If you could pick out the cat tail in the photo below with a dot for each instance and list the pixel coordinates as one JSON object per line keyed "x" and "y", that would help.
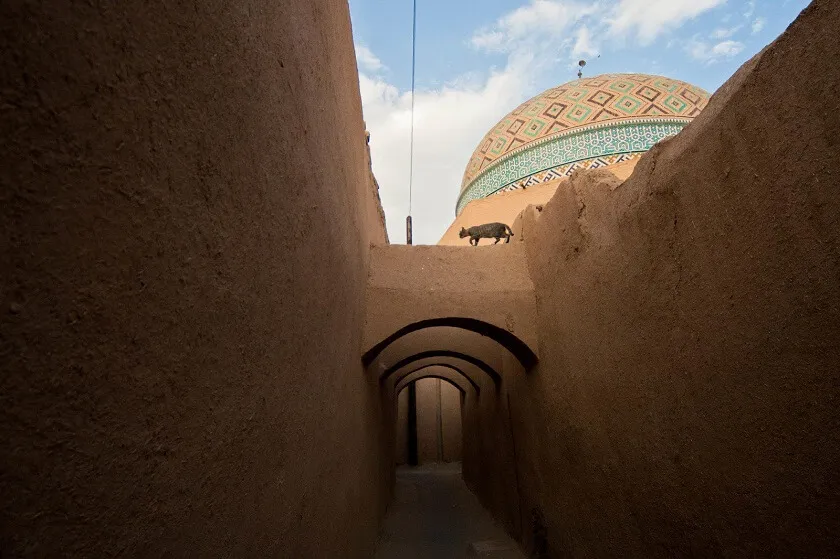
{"x": 509, "y": 230}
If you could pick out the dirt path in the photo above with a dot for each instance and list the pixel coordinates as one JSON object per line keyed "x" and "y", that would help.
{"x": 435, "y": 516}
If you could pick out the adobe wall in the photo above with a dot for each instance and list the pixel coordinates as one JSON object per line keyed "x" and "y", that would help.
{"x": 685, "y": 402}
{"x": 187, "y": 209}
{"x": 401, "y": 429}
{"x": 450, "y": 422}
{"x": 491, "y": 454}
{"x": 427, "y": 420}
{"x": 410, "y": 284}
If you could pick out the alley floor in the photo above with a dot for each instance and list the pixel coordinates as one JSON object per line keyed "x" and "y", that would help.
{"x": 435, "y": 516}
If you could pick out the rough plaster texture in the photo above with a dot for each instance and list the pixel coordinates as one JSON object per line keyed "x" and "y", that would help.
{"x": 409, "y": 284}
{"x": 182, "y": 186}
{"x": 685, "y": 402}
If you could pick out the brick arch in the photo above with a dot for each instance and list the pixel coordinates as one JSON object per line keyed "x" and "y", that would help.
{"x": 400, "y": 379}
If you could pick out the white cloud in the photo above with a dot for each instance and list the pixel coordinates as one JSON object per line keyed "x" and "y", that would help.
{"x": 650, "y": 18}
{"x": 583, "y": 44}
{"x": 708, "y": 53}
{"x": 449, "y": 123}
{"x": 725, "y": 32}
{"x": 727, "y": 48}
{"x": 366, "y": 60}
{"x": 750, "y": 9}
{"x": 549, "y": 22}
{"x": 488, "y": 40}
{"x": 758, "y": 25}
{"x": 540, "y": 22}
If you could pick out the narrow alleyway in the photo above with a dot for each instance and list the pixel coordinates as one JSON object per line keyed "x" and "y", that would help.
{"x": 435, "y": 516}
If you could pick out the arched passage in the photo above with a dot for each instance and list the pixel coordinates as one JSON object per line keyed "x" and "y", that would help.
{"x": 399, "y": 377}
{"x": 523, "y": 353}
{"x": 491, "y": 372}
{"x": 399, "y": 388}
{"x": 445, "y": 338}
{"x": 483, "y": 293}
{"x": 428, "y": 406}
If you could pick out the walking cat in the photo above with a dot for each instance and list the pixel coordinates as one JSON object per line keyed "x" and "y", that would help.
{"x": 487, "y": 231}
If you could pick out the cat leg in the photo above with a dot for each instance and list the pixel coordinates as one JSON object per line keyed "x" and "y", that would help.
{"x": 507, "y": 239}
{"x": 497, "y": 240}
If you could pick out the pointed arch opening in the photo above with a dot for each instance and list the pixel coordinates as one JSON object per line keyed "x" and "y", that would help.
{"x": 523, "y": 353}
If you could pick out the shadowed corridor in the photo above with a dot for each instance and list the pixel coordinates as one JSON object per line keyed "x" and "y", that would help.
{"x": 434, "y": 514}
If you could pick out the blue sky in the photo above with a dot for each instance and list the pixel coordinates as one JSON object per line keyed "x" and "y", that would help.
{"x": 476, "y": 61}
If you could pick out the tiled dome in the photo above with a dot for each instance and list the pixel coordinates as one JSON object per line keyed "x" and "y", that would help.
{"x": 591, "y": 122}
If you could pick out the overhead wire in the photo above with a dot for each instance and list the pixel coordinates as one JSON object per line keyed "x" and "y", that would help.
{"x": 411, "y": 142}
{"x": 413, "y": 72}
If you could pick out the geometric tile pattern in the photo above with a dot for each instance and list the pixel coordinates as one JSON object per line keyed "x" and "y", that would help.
{"x": 566, "y": 170}
{"x": 580, "y": 104}
{"x": 596, "y": 145}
